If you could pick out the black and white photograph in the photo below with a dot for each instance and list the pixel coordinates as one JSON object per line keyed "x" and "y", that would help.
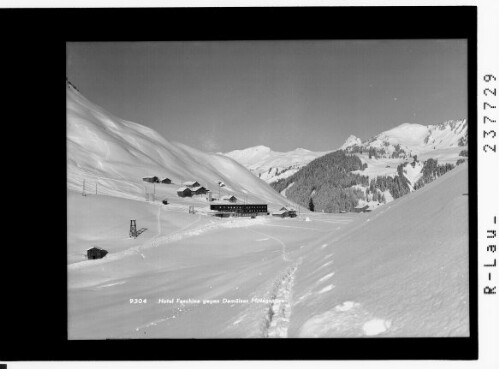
{"x": 208, "y": 184}
{"x": 267, "y": 189}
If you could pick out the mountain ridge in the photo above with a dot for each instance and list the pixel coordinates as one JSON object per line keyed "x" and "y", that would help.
{"x": 403, "y": 141}
{"x": 114, "y": 155}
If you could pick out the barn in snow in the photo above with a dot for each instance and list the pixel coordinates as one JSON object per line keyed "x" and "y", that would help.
{"x": 96, "y": 253}
{"x": 285, "y": 212}
{"x": 166, "y": 180}
{"x": 280, "y": 213}
{"x": 152, "y": 179}
{"x": 361, "y": 208}
{"x": 184, "y": 192}
{"x": 230, "y": 198}
{"x": 191, "y": 184}
{"x": 199, "y": 190}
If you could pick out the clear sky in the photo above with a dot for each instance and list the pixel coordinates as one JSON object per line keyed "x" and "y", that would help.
{"x": 222, "y": 96}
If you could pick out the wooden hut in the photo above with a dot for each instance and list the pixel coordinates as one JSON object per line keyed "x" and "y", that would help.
{"x": 96, "y": 253}
{"x": 361, "y": 208}
{"x": 152, "y": 179}
{"x": 285, "y": 212}
{"x": 184, "y": 192}
{"x": 166, "y": 180}
{"x": 281, "y": 213}
{"x": 191, "y": 184}
{"x": 200, "y": 190}
{"x": 231, "y": 198}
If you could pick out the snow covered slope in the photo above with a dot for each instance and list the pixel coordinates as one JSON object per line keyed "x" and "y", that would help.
{"x": 417, "y": 138}
{"x": 402, "y": 270}
{"x": 270, "y": 165}
{"x": 113, "y": 155}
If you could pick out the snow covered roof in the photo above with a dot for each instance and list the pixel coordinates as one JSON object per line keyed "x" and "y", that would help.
{"x": 182, "y": 189}
{"x": 280, "y": 212}
{"x": 190, "y": 183}
{"x": 229, "y": 197}
{"x": 194, "y": 189}
{"x": 361, "y": 207}
{"x": 95, "y": 248}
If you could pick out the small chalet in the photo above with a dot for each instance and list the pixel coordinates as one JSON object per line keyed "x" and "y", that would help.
{"x": 289, "y": 212}
{"x": 200, "y": 190}
{"x": 152, "y": 179}
{"x": 96, "y": 253}
{"x": 184, "y": 192}
{"x": 230, "y": 198}
{"x": 281, "y": 213}
{"x": 191, "y": 184}
{"x": 166, "y": 180}
{"x": 361, "y": 208}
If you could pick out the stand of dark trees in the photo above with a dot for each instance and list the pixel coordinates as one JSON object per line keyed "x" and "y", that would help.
{"x": 377, "y": 153}
{"x": 328, "y": 180}
{"x": 463, "y": 141}
{"x": 325, "y": 184}
{"x": 398, "y": 185}
{"x": 431, "y": 171}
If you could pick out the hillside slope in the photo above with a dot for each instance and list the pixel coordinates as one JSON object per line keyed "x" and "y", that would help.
{"x": 113, "y": 155}
{"x": 402, "y": 270}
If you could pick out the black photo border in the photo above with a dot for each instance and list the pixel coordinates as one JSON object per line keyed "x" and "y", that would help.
{"x": 35, "y": 322}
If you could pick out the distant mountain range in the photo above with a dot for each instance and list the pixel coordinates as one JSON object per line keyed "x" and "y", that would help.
{"x": 410, "y": 138}
{"x": 403, "y": 141}
{"x": 271, "y": 166}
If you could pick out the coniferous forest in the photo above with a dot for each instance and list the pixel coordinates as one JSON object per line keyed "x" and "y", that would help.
{"x": 325, "y": 184}
{"x": 431, "y": 171}
{"x": 328, "y": 181}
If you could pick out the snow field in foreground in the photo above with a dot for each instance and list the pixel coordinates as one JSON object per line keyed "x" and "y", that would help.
{"x": 404, "y": 270}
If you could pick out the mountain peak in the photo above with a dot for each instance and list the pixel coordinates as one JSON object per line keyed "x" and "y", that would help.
{"x": 351, "y": 141}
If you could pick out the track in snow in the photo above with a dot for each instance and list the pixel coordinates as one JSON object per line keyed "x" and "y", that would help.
{"x": 279, "y": 311}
